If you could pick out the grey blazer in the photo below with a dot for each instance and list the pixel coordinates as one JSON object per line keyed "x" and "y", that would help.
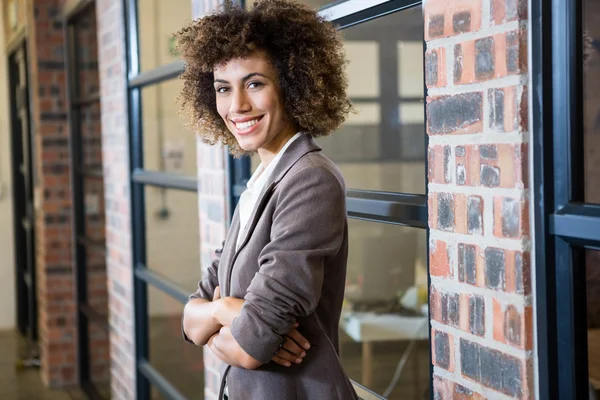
{"x": 290, "y": 266}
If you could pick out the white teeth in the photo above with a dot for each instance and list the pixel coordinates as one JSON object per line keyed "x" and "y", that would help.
{"x": 246, "y": 125}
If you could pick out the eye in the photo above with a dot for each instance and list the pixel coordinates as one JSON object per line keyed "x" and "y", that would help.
{"x": 222, "y": 89}
{"x": 255, "y": 84}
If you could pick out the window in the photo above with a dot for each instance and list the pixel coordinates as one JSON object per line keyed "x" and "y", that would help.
{"x": 381, "y": 151}
{"x": 164, "y": 203}
{"x": 566, "y": 171}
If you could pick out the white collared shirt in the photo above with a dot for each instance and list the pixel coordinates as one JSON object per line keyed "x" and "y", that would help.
{"x": 255, "y": 186}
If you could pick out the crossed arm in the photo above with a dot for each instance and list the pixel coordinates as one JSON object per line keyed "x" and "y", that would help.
{"x": 208, "y": 323}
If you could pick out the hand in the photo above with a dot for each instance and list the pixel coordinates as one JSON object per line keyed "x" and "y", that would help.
{"x": 217, "y": 294}
{"x": 227, "y": 309}
{"x": 292, "y": 352}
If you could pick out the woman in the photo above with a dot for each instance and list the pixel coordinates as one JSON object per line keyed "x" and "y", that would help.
{"x": 267, "y": 81}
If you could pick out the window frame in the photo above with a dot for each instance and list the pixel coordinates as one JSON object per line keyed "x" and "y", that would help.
{"x": 563, "y": 223}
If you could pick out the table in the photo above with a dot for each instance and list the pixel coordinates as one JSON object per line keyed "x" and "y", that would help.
{"x": 368, "y": 327}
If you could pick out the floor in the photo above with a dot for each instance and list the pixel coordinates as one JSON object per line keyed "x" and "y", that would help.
{"x": 24, "y": 383}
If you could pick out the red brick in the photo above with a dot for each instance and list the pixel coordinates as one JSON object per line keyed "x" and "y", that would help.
{"x": 442, "y": 117}
{"x": 439, "y": 164}
{"x": 445, "y": 306}
{"x": 442, "y": 350}
{"x": 435, "y": 68}
{"x": 447, "y": 390}
{"x": 492, "y": 165}
{"x": 506, "y": 109}
{"x": 513, "y": 327}
{"x": 438, "y": 261}
{"x": 503, "y": 11}
{"x": 445, "y": 18}
{"x": 511, "y": 217}
{"x": 489, "y": 58}
{"x": 460, "y": 213}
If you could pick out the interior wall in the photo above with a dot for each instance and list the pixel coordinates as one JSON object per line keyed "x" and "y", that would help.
{"x": 7, "y": 266}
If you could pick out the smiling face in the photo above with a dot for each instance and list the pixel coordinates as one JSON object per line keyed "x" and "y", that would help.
{"x": 250, "y": 102}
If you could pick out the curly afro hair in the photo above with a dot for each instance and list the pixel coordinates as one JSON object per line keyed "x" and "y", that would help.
{"x": 305, "y": 50}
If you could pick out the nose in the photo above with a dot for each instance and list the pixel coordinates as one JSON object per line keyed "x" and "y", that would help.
{"x": 239, "y": 103}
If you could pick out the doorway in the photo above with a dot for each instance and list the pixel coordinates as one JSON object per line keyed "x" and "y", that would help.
{"x": 88, "y": 201}
{"x": 23, "y": 205}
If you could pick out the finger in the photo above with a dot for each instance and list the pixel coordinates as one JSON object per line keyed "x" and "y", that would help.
{"x": 287, "y": 356}
{"x": 298, "y": 338}
{"x": 281, "y": 361}
{"x": 293, "y": 348}
{"x": 217, "y": 294}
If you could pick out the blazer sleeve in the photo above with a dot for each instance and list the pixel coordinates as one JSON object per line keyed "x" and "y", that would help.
{"x": 206, "y": 286}
{"x": 307, "y": 229}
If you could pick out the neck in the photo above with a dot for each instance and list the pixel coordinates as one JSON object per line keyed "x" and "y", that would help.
{"x": 268, "y": 152}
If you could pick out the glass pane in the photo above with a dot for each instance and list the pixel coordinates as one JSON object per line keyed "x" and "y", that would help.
{"x": 86, "y": 53}
{"x": 179, "y": 362}
{"x": 382, "y": 147}
{"x": 591, "y": 99}
{"x": 172, "y": 235}
{"x": 593, "y": 316}
{"x": 158, "y": 20}
{"x": 385, "y": 308}
{"x": 91, "y": 137}
{"x": 168, "y": 145}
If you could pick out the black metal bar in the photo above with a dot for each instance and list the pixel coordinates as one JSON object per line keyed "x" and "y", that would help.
{"x": 157, "y": 75}
{"x": 375, "y": 12}
{"x": 563, "y": 98}
{"x": 165, "y": 285}
{"x": 581, "y": 228}
{"x": 402, "y": 209}
{"x": 239, "y": 174}
{"x": 543, "y": 190}
{"x": 155, "y": 377}
{"x": 165, "y": 179}
{"x": 571, "y": 326}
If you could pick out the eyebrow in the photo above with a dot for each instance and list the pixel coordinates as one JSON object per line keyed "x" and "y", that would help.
{"x": 244, "y": 79}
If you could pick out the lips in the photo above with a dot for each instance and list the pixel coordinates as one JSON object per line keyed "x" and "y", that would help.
{"x": 246, "y": 126}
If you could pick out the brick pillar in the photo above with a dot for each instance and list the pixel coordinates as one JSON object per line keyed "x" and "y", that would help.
{"x": 213, "y": 211}
{"x": 481, "y": 313}
{"x": 115, "y": 157}
{"x": 55, "y": 274}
